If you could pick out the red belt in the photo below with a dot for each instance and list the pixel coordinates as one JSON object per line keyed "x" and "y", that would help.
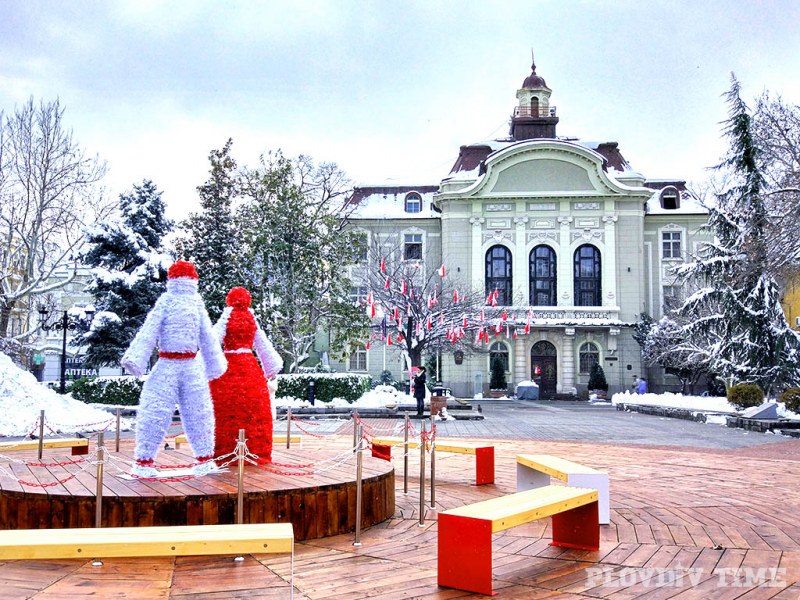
{"x": 177, "y": 355}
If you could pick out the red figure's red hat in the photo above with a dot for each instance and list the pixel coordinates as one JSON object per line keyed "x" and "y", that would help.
{"x": 239, "y": 297}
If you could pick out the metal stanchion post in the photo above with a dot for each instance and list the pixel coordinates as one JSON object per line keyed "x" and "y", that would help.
{"x": 355, "y": 430}
{"x": 240, "y": 496}
{"x": 98, "y": 507}
{"x": 359, "y": 459}
{"x": 405, "y": 457}
{"x": 41, "y": 433}
{"x": 119, "y": 416}
{"x": 289, "y": 428}
{"x": 422, "y": 435}
{"x": 433, "y": 466}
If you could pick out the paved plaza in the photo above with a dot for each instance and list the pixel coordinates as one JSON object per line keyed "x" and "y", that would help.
{"x": 699, "y": 511}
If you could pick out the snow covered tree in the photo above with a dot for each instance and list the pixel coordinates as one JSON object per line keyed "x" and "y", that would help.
{"x": 211, "y": 241}
{"x": 129, "y": 271}
{"x": 413, "y": 306}
{"x": 662, "y": 345}
{"x": 734, "y": 322}
{"x": 295, "y": 243}
{"x": 48, "y": 193}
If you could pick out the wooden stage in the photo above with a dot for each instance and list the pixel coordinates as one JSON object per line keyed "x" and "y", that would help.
{"x": 314, "y": 490}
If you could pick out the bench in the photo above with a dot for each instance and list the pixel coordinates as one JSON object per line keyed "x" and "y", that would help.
{"x": 79, "y": 445}
{"x": 535, "y": 470}
{"x": 276, "y": 439}
{"x": 465, "y": 533}
{"x": 179, "y": 540}
{"x": 484, "y": 453}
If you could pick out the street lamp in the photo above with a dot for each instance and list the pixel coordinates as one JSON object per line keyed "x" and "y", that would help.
{"x": 67, "y": 322}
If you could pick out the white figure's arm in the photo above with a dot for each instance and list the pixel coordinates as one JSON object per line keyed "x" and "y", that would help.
{"x": 271, "y": 361}
{"x": 221, "y": 326}
{"x": 210, "y": 349}
{"x": 137, "y": 356}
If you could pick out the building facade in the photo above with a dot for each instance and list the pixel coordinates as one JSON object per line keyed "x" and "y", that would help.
{"x": 574, "y": 244}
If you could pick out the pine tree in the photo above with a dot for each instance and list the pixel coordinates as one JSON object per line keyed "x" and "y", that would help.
{"x": 734, "y": 321}
{"x": 128, "y": 272}
{"x": 210, "y": 240}
{"x": 497, "y": 380}
{"x": 597, "y": 378}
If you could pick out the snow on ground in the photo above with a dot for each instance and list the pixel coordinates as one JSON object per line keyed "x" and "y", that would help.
{"x": 383, "y": 396}
{"x": 22, "y": 398}
{"x": 713, "y": 404}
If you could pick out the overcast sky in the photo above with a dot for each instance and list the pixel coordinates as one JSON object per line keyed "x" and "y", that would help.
{"x": 389, "y": 90}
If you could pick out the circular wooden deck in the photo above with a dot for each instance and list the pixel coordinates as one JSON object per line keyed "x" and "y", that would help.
{"x": 314, "y": 490}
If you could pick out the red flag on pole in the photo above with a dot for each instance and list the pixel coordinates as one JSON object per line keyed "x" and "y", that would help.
{"x": 441, "y": 271}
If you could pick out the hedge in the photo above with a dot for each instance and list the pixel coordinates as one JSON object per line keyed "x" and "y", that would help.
{"x": 327, "y": 386}
{"x": 120, "y": 391}
{"x": 745, "y": 395}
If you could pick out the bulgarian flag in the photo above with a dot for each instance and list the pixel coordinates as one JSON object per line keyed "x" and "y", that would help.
{"x": 383, "y": 266}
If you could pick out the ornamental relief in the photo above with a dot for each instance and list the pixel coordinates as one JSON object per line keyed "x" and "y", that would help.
{"x": 585, "y": 206}
{"x": 534, "y": 206}
{"x": 498, "y": 224}
{"x": 588, "y": 235}
{"x": 477, "y": 221}
{"x": 542, "y": 236}
{"x": 543, "y": 224}
{"x": 498, "y": 207}
{"x": 498, "y": 236}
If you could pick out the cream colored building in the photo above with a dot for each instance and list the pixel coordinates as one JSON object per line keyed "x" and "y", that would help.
{"x": 577, "y": 243}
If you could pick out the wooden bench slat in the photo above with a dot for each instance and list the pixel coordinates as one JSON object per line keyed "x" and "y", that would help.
{"x": 49, "y": 443}
{"x": 182, "y": 540}
{"x": 453, "y": 446}
{"x": 559, "y": 468}
{"x": 523, "y": 507}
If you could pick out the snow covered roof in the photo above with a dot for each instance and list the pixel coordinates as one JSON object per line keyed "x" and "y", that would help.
{"x": 389, "y": 202}
{"x": 672, "y": 198}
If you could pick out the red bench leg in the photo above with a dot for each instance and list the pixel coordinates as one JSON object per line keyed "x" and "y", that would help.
{"x": 577, "y": 528}
{"x": 465, "y": 554}
{"x": 484, "y": 465}
{"x": 384, "y": 452}
{"x": 78, "y": 450}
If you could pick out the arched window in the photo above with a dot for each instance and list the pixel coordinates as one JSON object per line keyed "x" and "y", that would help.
{"x": 542, "y": 270}
{"x": 534, "y": 107}
{"x": 498, "y": 350}
{"x": 498, "y": 273}
{"x": 587, "y": 276}
{"x": 588, "y": 355}
{"x": 413, "y": 202}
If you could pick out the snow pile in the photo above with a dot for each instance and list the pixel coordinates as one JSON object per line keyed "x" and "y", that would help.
{"x": 698, "y": 403}
{"x": 383, "y": 396}
{"x": 22, "y": 398}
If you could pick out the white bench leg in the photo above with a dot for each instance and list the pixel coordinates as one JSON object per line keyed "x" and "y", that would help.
{"x": 528, "y": 479}
{"x": 597, "y": 482}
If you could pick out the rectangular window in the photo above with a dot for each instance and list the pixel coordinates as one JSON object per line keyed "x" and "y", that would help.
{"x": 412, "y": 248}
{"x": 362, "y": 244}
{"x": 358, "y": 360}
{"x": 671, "y": 244}
{"x": 358, "y": 294}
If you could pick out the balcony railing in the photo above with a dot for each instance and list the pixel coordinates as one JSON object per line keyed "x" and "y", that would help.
{"x": 528, "y": 111}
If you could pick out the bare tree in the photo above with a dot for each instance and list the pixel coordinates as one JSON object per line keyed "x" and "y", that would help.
{"x": 48, "y": 192}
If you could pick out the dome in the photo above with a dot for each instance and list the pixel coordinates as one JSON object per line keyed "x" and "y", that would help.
{"x": 533, "y": 80}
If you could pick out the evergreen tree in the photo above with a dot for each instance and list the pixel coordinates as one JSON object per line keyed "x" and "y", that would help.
{"x": 597, "y": 378}
{"x": 210, "y": 239}
{"x": 734, "y": 322}
{"x": 497, "y": 379}
{"x": 129, "y": 269}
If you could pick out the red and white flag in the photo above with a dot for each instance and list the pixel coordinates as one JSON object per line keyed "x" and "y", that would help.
{"x": 441, "y": 271}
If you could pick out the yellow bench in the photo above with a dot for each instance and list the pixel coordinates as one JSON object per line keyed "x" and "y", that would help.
{"x": 276, "y": 439}
{"x": 180, "y": 540}
{"x": 465, "y": 533}
{"x": 484, "y": 453}
{"x": 535, "y": 470}
{"x": 78, "y": 445}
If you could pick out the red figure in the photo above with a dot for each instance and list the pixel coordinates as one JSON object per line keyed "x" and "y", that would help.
{"x": 241, "y": 396}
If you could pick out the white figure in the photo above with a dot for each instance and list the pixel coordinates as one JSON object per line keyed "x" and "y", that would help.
{"x": 189, "y": 356}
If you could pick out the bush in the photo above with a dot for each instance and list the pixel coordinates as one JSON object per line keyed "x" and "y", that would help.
{"x": 120, "y": 391}
{"x": 498, "y": 375}
{"x": 386, "y": 378}
{"x": 745, "y": 395}
{"x": 791, "y": 398}
{"x": 597, "y": 378}
{"x": 327, "y": 386}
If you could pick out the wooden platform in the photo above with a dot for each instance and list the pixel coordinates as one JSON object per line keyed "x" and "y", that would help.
{"x": 318, "y": 504}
